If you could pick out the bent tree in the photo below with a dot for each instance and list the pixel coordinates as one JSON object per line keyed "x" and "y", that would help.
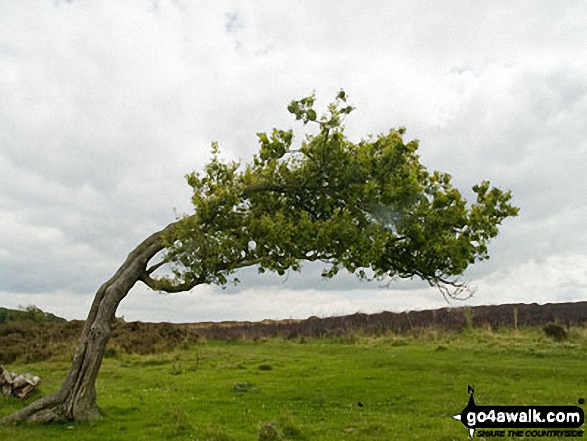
{"x": 369, "y": 207}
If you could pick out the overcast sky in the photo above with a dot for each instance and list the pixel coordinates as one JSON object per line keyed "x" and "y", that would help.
{"x": 105, "y": 106}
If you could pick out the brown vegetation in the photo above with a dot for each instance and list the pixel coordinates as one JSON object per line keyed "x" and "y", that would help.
{"x": 33, "y": 341}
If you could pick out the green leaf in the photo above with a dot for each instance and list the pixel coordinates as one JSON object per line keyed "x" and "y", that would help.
{"x": 370, "y": 207}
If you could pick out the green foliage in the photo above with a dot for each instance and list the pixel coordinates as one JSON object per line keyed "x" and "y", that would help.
{"x": 556, "y": 332}
{"x": 27, "y": 314}
{"x": 409, "y": 391}
{"x": 244, "y": 387}
{"x": 370, "y": 207}
{"x": 269, "y": 432}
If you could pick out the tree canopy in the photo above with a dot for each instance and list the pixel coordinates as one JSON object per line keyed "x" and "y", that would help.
{"x": 369, "y": 207}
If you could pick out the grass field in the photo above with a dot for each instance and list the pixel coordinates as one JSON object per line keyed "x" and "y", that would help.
{"x": 358, "y": 388}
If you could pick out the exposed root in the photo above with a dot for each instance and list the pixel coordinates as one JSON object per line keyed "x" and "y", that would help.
{"x": 52, "y": 409}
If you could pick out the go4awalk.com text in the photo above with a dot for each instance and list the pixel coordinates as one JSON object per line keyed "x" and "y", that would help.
{"x": 521, "y": 421}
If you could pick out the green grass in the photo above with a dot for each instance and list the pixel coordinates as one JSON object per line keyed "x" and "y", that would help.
{"x": 408, "y": 387}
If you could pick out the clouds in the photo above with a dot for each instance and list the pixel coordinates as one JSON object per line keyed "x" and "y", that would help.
{"x": 105, "y": 106}
{"x": 522, "y": 128}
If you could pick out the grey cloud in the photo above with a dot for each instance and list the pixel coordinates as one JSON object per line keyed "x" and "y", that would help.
{"x": 107, "y": 105}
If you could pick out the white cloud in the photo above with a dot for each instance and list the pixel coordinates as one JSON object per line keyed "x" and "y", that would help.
{"x": 105, "y": 106}
{"x": 210, "y": 304}
{"x": 545, "y": 279}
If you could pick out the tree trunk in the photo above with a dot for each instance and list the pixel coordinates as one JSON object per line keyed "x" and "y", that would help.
{"x": 75, "y": 400}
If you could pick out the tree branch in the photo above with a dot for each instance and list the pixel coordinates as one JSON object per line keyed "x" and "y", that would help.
{"x": 168, "y": 285}
{"x": 152, "y": 269}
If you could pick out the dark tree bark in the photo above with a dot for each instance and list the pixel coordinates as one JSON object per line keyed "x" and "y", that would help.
{"x": 75, "y": 400}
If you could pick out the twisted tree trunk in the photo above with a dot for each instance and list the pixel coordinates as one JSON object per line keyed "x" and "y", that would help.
{"x": 76, "y": 398}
